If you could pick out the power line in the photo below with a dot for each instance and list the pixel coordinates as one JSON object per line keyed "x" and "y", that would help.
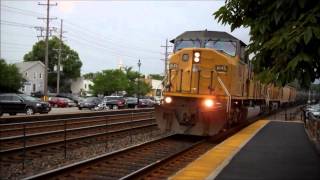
{"x": 87, "y": 39}
{"x": 11, "y": 23}
{"x": 85, "y": 30}
{"x": 17, "y": 12}
{"x": 23, "y": 10}
{"x": 90, "y": 33}
{"x": 80, "y": 40}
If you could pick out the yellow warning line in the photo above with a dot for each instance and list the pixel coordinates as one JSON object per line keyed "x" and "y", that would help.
{"x": 212, "y": 162}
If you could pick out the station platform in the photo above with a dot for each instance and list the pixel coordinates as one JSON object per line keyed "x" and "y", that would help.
{"x": 264, "y": 150}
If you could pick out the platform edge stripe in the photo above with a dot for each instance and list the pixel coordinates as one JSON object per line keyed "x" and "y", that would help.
{"x": 211, "y": 170}
{"x": 216, "y": 172}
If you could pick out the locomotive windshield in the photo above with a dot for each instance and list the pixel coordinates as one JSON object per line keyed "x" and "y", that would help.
{"x": 228, "y": 47}
{"x": 187, "y": 44}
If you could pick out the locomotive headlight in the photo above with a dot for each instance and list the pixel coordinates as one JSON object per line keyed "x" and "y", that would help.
{"x": 196, "y": 57}
{"x": 221, "y": 68}
{"x": 208, "y": 103}
{"x": 168, "y": 100}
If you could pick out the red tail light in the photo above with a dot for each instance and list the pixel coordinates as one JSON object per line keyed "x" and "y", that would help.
{"x": 120, "y": 102}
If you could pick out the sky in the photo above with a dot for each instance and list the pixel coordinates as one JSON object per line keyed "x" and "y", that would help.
{"x": 107, "y": 32}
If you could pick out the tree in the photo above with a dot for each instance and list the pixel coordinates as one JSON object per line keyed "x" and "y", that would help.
{"x": 145, "y": 88}
{"x": 133, "y": 77}
{"x": 90, "y": 76}
{"x": 109, "y": 81}
{"x": 69, "y": 60}
{"x": 11, "y": 79}
{"x": 285, "y": 37}
{"x": 156, "y": 76}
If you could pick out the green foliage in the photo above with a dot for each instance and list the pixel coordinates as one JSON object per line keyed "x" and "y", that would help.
{"x": 285, "y": 37}
{"x": 110, "y": 81}
{"x": 156, "y": 76}
{"x": 90, "y": 76}
{"x": 144, "y": 88}
{"x": 11, "y": 79}
{"x": 315, "y": 88}
{"x": 69, "y": 60}
{"x": 132, "y": 88}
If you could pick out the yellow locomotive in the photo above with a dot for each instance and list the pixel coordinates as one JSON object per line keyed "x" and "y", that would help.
{"x": 210, "y": 86}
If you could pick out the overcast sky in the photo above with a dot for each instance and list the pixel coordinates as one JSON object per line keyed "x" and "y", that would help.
{"x": 105, "y": 32}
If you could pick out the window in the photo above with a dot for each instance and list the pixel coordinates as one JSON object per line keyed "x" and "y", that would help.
{"x": 187, "y": 44}
{"x": 23, "y": 88}
{"x": 15, "y": 98}
{"x": 228, "y": 47}
{"x": 85, "y": 86}
{"x": 5, "y": 98}
{"x": 33, "y": 87}
{"x": 40, "y": 76}
{"x": 34, "y": 75}
{"x": 26, "y": 74}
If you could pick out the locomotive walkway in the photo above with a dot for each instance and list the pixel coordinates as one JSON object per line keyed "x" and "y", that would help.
{"x": 263, "y": 150}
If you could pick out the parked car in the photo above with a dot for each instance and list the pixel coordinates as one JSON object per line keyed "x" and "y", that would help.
{"x": 72, "y": 97}
{"x": 114, "y": 102}
{"x": 70, "y": 102}
{"x": 132, "y": 102}
{"x": 145, "y": 103}
{"x": 13, "y": 103}
{"x": 89, "y": 102}
{"x": 58, "y": 102}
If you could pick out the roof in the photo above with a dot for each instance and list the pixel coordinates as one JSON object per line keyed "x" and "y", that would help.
{"x": 204, "y": 35}
{"x": 24, "y": 66}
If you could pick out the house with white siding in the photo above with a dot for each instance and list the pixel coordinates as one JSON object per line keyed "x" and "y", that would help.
{"x": 33, "y": 73}
{"x": 81, "y": 86}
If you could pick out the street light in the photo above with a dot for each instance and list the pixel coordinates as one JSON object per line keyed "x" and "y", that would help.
{"x": 139, "y": 64}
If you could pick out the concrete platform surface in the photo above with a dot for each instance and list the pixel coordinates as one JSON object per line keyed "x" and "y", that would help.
{"x": 280, "y": 150}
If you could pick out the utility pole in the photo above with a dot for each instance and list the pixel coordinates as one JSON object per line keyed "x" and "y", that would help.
{"x": 59, "y": 58}
{"x": 166, "y": 57}
{"x": 139, "y": 64}
{"x": 47, "y": 48}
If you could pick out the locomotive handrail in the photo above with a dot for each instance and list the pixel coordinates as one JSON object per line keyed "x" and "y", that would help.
{"x": 226, "y": 91}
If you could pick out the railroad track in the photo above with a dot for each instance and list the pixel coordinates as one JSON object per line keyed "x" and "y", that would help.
{"x": 122, "y": 164}
{"x": 161, "y": 168}
{"x": 14, "y": 149}
{"x": 26, "y": 128}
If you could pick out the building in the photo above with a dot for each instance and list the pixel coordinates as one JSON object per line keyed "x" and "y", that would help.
{"x": 81, "y": 86}
{"x": 156, "y": 87}
{"x": 33, "y": 73}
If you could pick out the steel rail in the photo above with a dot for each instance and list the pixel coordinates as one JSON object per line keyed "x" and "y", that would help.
{"x": 157, "y": 163}
{"x": 33, "y": 118}
{"x": 101, "y": 158}
{"x": 74, "y": 118}
{"x": 73, "y": 129}
{"x": 70, "y": 140}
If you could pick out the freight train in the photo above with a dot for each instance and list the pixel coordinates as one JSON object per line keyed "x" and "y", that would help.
{"x": 210, "y": 86}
